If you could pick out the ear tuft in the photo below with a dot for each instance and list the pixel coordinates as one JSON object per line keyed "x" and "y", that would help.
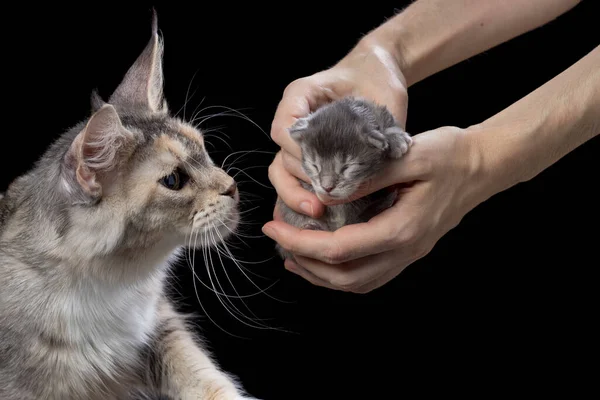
{"x": 96, "y": 101}
{"x": 143, "y": 83}
{"x": 97, "y": 150}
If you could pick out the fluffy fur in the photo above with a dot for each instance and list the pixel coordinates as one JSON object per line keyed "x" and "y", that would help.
{"x": 85, "y": 242}
{"x": 344, "y": 144}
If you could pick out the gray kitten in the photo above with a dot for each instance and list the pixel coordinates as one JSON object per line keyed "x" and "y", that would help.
{"x": 344, "y": 144}
{"x": 86, "y": 238}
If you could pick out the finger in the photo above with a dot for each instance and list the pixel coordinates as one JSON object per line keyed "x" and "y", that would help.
{"x": 379, "y": 281}
{"x": 294, "y": 166}
{"x": 347, "y": 243}
{"x": 295, "y": 103}
{"x": 357, "y": 274}
{"x": 298, "y": 270}
{"x": 290, "y": 191}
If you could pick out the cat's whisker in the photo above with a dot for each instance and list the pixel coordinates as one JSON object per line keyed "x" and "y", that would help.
{"x": 187, "y": 97}
{"x": 198, "y": 296}
{"x": 237, "y": 233}
{"x": 235, "y": 290}
{"x": 243, "y": 116}
{"x": 221, "y": 139}
{"x": 212, "y": 267}
{"x": 247, "y": 168}
{"x": 232, "y": 257}
{"x": 244, "y": 153}
{"x": 244, "y": 194}
{"x": 254, "y": 180}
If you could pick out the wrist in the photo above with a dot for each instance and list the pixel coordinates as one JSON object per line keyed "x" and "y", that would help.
{"x": 504, "y": 153}
{"x": 391, "y": 39}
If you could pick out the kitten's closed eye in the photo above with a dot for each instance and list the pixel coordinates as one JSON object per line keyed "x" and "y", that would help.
{"x": 175, "y": 181}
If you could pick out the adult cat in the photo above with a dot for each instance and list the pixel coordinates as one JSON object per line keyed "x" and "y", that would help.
{"x": 85, "y": 242}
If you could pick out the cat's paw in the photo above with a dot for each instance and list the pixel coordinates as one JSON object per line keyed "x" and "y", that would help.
{"x": 398, "y": 140}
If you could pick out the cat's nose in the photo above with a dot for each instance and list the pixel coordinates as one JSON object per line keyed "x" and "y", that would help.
{"x": 328, "y": 188}
{"x": 230, "y": 191}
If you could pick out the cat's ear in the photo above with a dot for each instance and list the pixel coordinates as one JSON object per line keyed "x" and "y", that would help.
{"x": 142, "y": 85}
{"x": 96, "y": 101}
{"x": 299, "y": 127}
{"x": 98, "y": 149}
{"x": 377, "y": 139}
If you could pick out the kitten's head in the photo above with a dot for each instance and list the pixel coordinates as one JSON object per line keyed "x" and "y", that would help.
{"x": 342, "y": 147}
{"x": 133, "y": 177}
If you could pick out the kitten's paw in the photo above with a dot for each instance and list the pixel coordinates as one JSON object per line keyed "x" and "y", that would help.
{"x": 399, "y": 141}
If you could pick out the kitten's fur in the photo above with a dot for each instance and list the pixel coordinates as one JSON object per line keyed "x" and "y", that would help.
{"x": 85, "y": 241}
{"x": 344, "y": 144}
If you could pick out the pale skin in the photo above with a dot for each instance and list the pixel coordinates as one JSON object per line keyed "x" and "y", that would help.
{"x": 448, "y": 171}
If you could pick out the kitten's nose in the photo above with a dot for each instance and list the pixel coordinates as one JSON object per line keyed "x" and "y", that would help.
{"x": 328, "y": 188}
{"x": 230, "y": 191}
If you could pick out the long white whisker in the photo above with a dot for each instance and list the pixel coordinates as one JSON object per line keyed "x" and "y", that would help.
{"x": 235, "y": 290}
{"x": 255, "y": 181}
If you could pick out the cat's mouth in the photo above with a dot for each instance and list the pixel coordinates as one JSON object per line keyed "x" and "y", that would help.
{"x": 334, "y": 196}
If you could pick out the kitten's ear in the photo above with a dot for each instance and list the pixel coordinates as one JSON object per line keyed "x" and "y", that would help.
{"x": 377, "y": 139}
{"x": 95, "y": 151}
{"x": 142, "y": 85}
{"x": 299, "y": 127}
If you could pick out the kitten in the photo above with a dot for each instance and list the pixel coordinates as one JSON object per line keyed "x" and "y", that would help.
{"x": 85, "y": 243}
{"x": 344, "y": 144}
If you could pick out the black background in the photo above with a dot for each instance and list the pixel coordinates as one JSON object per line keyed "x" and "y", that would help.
{"x": 508, "y": 298}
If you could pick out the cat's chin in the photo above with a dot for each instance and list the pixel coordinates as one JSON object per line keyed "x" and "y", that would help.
{"x": 333, "y": 197}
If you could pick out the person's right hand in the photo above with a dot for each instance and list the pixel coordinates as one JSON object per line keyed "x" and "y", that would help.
{"x": 368, "y": 71}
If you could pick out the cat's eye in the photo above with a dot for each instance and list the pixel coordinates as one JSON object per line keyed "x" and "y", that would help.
{"x": 316, "y": 167}
{"x": 175, "y": 180}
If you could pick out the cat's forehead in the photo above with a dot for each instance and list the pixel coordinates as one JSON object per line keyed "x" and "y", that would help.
{"x": 173, "y": 137}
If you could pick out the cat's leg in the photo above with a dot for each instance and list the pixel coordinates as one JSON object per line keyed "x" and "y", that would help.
{"x": 181, "y": 369}
{"x": 398, "y": 140}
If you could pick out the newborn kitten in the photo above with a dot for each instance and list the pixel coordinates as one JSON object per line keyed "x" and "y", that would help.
{"x": 344, "y": 144}
{"x": 85, "y": 242}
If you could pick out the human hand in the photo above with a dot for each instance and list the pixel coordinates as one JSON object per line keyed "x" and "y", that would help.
{"x": 444, "y": 176}
{"x": 368, "y": 71}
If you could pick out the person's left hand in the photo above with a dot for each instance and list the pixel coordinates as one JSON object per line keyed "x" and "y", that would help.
{"x": 443, "y": 173}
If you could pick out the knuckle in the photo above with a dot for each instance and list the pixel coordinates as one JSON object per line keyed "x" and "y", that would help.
{"x": 362, "y": 290}
{"x": 407, "y": 235}
{"x": 421, "y": 251}
{"x": 277, "y": 132}
{"x": 271, "y": 172}
{"x": 293, "y": 85}
{"x": 335, "y": 254}
{"x": 345, "y": 282}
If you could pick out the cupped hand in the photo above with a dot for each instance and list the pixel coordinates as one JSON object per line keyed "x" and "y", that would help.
{"x": 442, "y": 181}
{"x": 368, "y": 71}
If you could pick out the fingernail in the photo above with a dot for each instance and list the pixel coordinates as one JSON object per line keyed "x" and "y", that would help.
{"x": 267, "y": 230}
{"x": 307, "y": 207}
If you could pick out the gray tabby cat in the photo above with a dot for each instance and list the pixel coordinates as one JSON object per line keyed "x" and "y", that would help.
{"x": 86, "y": 238}
{"x": 344, "y": 144}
